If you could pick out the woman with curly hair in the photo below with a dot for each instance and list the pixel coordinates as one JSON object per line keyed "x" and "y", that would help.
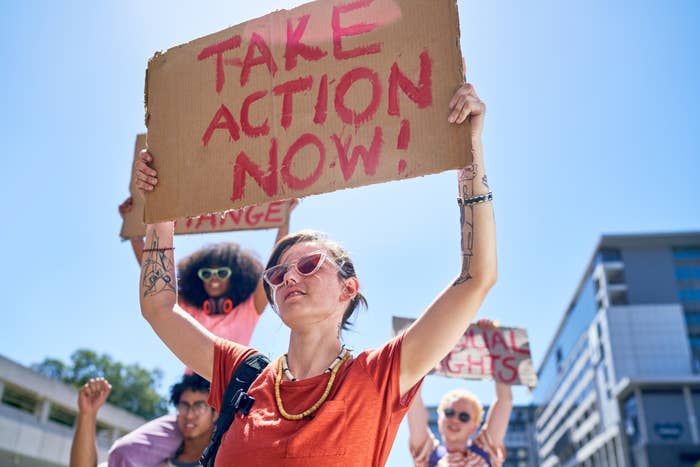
{"x": 318, "y": 404}
{"x": 220, "y": 286}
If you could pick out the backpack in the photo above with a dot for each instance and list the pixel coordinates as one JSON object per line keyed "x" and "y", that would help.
{"x": 235, "y": 398}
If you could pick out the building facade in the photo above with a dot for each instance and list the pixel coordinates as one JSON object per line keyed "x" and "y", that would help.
{"x": 37, "y": 418}
{"x": 619, "y": 382}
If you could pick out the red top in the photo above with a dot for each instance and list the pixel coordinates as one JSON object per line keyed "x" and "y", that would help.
{"x": 356, "y": 426}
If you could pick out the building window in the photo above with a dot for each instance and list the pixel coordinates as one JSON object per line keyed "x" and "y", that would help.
{"x": 616, "y": 277}
{"x": 19, "y": 399}
{"x": 62, "y": 415}
{"x": 607, "y": 255}
{"x": 687, "y": 269}
{"x": 692, "y": 318}
{"x": 631, "y": 420}
{"x": 688, "y": 272}
{"x": 692, "y": 252}
{"x": 689, "y": 295}
{"x": 694, "y": 342}
{"x": 618, "y": 298}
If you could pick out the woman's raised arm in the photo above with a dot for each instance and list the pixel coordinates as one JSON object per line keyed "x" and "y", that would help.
{"x": 191, "y": 342}
{"x": 437, "y": 330}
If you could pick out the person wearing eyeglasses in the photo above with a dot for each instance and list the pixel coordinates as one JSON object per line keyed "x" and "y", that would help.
{"x": 195, "y": 419}
{"x": 318, "y": 404}
{"x": 460, "y": 416}
{"x": 220, "y": 286}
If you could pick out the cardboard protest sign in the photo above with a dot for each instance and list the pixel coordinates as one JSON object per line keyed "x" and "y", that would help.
{"x": 502, "y": 354}
{"x": 266, "y": 216}
{"x": 330, "y": 95}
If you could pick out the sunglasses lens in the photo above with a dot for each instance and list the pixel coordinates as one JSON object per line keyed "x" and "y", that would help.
{"x": 275, "y": 275}
{"x": 309, "y": 264}
{"x": 449, "y": 413}
{"x": 464, "y": 417}
{"x": 223, "y": 273}
{"x": 205, "y": 274}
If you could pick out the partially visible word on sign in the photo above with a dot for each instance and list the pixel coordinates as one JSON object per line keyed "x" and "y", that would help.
{"x": 500, "y": 353}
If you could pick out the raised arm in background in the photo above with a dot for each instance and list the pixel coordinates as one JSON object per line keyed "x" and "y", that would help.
{"x": 499, "y": 413}
{"x": 136, "y": 242}
{"x": 93, "y": 394}
{"x": 191, "y": 342}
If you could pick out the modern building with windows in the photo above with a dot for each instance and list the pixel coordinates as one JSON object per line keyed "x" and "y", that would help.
{"x": 620, "y": 382}
{"x": 37, "y": 419}
{"x": 521, "y": 446}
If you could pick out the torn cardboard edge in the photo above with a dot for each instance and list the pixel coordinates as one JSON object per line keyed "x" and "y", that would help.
{"x": 267, "y": 216}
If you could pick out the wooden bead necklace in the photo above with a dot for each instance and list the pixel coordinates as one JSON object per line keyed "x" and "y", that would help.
{"x": 283, "y": 368}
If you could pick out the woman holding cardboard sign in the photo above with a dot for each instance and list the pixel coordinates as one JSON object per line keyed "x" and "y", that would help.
{"x": 220, "y": 286}
{"x": 459, "y": 417}
{"x": 317, "y": 404}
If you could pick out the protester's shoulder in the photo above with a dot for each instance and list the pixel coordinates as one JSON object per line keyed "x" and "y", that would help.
{"x": 232, "y": 351}
{"x": 383, "y": 353}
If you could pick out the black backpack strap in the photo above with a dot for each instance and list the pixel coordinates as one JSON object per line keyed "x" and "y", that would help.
{"x": 235, "y": 398}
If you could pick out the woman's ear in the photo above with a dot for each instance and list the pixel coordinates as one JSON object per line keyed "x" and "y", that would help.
{"x": 350, "y": 288}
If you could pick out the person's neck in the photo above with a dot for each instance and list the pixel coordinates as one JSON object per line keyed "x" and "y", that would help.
{"x": 311, "y": 352}
{"x": 192, "y": 448}
{"x": 455, "y": 446}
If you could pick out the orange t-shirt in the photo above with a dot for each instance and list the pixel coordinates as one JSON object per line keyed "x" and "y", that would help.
{"x": 356, "y": 426}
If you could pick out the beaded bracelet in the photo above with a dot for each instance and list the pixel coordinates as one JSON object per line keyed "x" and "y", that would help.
{"x": 475, "y": 199}
{"x": 146, "y": 250}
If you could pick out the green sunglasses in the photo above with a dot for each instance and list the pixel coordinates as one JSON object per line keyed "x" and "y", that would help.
{"x": 207, "y": 274}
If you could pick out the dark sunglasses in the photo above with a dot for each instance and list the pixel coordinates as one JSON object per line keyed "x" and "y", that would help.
{"x": 306, "y": 266}
{"x": 464, "y": 417}
{"x": 207, "y": 274}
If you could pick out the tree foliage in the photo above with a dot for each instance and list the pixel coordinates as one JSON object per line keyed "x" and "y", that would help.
{"x": 133, "y": 387}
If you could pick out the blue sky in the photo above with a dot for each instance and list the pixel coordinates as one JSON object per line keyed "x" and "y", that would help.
{"x": 592, "y": 128}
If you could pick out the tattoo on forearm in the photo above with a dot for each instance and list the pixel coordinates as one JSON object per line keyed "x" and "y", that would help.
{"x": 157, "y": 275}
{"x": 466, "y": 179}
{"x": 466, "y": 221}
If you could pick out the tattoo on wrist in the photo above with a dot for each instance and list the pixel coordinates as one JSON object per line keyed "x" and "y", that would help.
{"x": 157, "y": 275}
{"x": 466, "y": 180}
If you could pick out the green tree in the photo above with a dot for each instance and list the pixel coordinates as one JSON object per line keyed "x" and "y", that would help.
{"x": 133, "y": 387}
